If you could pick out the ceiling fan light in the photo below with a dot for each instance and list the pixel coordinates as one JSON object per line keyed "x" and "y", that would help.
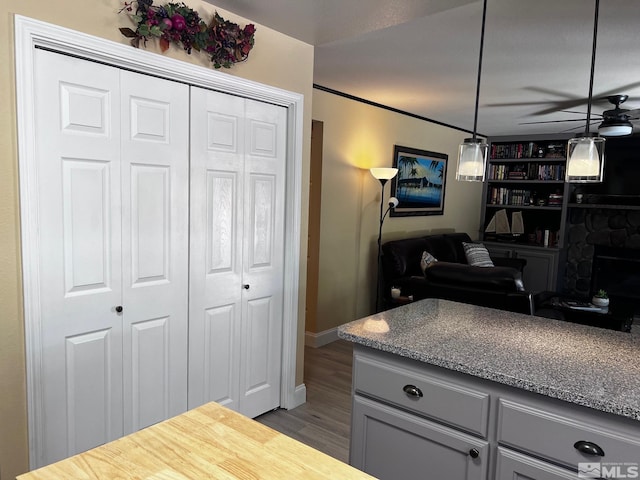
{"x": 615, "y": 128}
{"x": 472, "y": 160}
{"x": 585, "y": 161}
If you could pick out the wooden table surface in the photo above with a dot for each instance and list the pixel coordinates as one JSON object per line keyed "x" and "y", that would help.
{"x": 210, "y": 441}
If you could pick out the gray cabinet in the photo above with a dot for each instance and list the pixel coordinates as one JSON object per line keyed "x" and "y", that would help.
{"x": 541, "y": 271}
{"x": 406, "y": 423}
{"x": 390, "y": 443}
{"x": 411, "y": 419}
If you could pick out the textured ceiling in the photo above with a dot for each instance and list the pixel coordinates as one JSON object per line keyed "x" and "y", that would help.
{"x": 421, "y": 56}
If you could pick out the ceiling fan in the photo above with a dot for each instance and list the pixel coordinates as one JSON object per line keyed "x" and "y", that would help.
{"x": 616, "y": 122}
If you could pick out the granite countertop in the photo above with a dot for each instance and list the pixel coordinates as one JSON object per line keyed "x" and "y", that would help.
{"x": 588, "y": 366}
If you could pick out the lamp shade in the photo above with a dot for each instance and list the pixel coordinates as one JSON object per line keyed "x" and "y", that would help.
{"x": 383, "y": 173}
{"x": 585, "y": 161}
{"x": 472, "y": 160}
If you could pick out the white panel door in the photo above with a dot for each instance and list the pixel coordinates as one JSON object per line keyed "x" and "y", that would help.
{"x": 78, "y": 150}
{"x": 217, "y": 171}
{"x": 112, "y": 162}
{"x": 236, "y": 263}
{"x": 155, "y": 226}
{"x": 263, "y": 257}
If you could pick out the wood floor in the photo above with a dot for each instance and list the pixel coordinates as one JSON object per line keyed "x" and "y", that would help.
{"x": 323, "y": 422}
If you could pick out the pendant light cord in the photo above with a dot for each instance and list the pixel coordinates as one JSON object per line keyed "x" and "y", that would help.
{"x": 593, "y": 64}
{"x": 475, "y": 117}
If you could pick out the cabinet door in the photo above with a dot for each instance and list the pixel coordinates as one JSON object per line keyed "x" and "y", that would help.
{"x": 391, "y": 444}
{"x": 540, "y": 273}
{"x": 514, "y": 466}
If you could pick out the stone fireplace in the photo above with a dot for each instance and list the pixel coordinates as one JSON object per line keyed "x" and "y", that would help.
{"x": 603, "y": 251}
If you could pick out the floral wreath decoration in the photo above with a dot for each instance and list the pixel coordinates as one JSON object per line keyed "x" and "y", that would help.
{"x": 224, "y": 41}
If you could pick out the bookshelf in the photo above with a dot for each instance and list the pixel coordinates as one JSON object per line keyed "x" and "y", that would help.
{"x": 525, "y": 180}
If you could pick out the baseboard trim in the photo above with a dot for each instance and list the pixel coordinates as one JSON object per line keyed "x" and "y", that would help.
{"x": 320, "y": 339}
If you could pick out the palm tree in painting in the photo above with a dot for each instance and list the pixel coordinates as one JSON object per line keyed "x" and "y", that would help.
{"x": 413, "y": 172}
{"x": 437, "y": 167}
{"x": 405, "y": 164}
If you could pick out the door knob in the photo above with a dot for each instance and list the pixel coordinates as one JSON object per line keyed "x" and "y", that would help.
{"x": 245, "y": 286}
{"x": 474, "y": 453}
{"x": 119, "y": 309}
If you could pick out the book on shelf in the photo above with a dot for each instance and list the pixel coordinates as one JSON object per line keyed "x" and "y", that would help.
{"x": 519, "y": 150}
{"x": 509, "y": 196}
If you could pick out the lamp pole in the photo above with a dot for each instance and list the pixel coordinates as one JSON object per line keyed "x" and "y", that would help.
{"x": 383, "y": 175}
{"x": 383, "y": 181}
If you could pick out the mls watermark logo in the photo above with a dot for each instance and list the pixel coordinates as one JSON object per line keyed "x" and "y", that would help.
{"x": 608, "y": 470}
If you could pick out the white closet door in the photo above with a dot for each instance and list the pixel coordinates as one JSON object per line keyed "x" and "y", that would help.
{"x": 217, "y": 171}
{"x": 112, "y": 161}
{"x": 78, "y": 150}
{"x": 263, "y": 257}
{"x": 155, "y": 226}
{"x": 236, "y": 265}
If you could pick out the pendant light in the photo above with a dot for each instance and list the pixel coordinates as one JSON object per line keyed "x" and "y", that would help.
{"x": 472, "y": 153}
{"x": 585, "y": 152}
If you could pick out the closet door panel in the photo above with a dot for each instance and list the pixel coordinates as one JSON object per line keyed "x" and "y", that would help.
{"x": 78, "y": 168}
{"x": 217, "y": 170}
{"x": 155, "y": 171}
{"x": 263, "y": 256}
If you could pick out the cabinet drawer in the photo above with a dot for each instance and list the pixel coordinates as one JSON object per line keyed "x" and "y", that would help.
{"x": 512, "y": 465}
{"x": 458, "y": 406}
{"x": 552, "y": 436}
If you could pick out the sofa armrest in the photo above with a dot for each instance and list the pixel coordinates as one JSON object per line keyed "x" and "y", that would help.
{"x": 517, "y": 263}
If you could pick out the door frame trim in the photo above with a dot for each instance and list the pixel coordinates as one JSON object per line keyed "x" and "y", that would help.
{"x": 31, "y": 34}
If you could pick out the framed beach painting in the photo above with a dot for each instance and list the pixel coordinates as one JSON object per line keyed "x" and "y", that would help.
{"x": 420, "y": 183}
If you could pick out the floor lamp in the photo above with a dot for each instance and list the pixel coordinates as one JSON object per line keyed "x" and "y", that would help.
{"x": 383, "y": 175}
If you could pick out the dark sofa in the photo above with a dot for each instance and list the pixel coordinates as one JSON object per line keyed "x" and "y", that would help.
{"x": 451, "y": 278}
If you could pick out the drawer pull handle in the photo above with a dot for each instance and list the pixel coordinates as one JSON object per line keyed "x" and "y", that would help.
{"x": 474, "y": 453}
{"x": 589, "y": 448}
{"x": 413, "y": 391}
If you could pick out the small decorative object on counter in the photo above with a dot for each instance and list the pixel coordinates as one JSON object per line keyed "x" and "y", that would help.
{"x": 395, "y": 292}
{"x": 600, "y": 299}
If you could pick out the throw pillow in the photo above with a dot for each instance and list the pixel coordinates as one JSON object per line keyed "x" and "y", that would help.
{"x": 477, "y": 255}
{"x": 427, "y": 260}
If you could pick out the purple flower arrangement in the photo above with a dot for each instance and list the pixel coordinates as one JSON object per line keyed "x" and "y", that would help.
{"x": 224, "y": 41}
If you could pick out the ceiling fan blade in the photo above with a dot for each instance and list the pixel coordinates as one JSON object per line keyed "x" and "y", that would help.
{"x": 582, "y": 113}
{"x": 555, "y": 121}
{"x": 632, "y": 113}
{"x": 579, "y": 127}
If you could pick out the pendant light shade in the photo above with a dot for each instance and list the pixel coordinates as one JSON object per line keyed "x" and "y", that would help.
{"x": 472, "y": 159}
{"x": 472, "y": 154}
{"x": 585, "y": 152}
{"x": 586, "y": 159}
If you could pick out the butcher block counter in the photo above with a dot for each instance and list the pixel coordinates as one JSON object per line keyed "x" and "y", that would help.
{"x": 210, "y": 441}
